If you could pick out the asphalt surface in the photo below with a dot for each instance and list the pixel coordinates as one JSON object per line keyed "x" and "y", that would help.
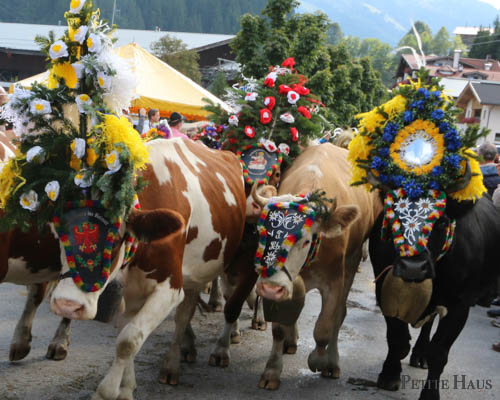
{"x": 362, "y": 350}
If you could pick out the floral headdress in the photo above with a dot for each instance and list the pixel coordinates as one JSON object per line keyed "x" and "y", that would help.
{"x": 411, "y": 142}
{"x": 73, "y": 145}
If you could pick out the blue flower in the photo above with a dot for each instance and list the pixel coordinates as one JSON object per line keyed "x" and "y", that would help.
{"x": 390, "y": 131}
{"x": 384, "y": 152}
{"x": 453, "y": 160}
{"x": 436, "y": 171}
{"x": 420, "y": 104}
{"x": 444, "y": 127}
{"x": 436, "y": 93}
{"x": 425, "y": 92}
{"x": 453, "y": 141}
{"x": 408, "y": 117}
{"x": 378, "y": 163}
{"x": 413, "y": 189}
{"x": 434, "y": 185}
{"x": 437, "y": 114}
{"x": 384, "y": 179}
{"x": 398, "y": 180}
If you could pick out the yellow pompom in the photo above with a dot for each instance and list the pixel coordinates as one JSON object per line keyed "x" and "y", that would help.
{"x": 475, "y": 189}
{"x": 10, "y": 176}
{"x": 359, "y": 149}
{"x": 63, "y": 70}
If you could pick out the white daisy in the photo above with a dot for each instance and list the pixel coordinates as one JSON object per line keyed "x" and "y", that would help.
{"x": 29, "y": 201}
{"x": 36, "y": 153}
{"x": 81, "y": 33}
{"x": 40, "y": 107}
{"x": 104, "y": 80}
{"x": 94, "y": 43}
{"x": 52, "y": 189}
{"x": 113, "y": 161}
{"x": 81, "y": 101}
{"x": 76, "y": 6}
{"x": 58, "y": 50}
{"x": 78, "y": 147}
{"x": 81, "y": 180}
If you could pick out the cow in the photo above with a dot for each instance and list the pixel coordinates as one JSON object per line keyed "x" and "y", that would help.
{"x": 458, "y": 269}
{"x": 189, "y": 226}
{"x": 343, "y": 225}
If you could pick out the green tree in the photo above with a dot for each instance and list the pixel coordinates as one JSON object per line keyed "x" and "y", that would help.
{"x": 335, "y": 34}
{"x": 219, "y": 85}
{"x": 425, "y": 34}
{"x": 478, "y": 49}
{"x": 441, "y": 43}
{"x": 174, "y": 52}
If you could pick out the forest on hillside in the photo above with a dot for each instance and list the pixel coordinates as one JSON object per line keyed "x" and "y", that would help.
{"x": 207, "y": 16}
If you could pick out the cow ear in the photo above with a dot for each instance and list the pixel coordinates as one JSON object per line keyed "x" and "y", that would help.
{"x": 339, "y": 221}
{"x": 150, "y": 225}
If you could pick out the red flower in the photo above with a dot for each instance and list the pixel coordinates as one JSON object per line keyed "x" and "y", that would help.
{"x": 284, "y": 89}
{"x": 304, "y": 111}
{"x": 233, "y": 140}
{"x": 249, "y": 131}
{"x": 288, "y": 63}
{"x": 265, "y": 116}
{"x": 295, "y": 134}
{"x": 270, "y": 102}
{"x": 218, "y": 129}
{"x": 300, "y": 89}
{"x": 269, "y": 82}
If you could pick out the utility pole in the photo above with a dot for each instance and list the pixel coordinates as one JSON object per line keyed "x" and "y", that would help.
{"x": 113, "y": 15}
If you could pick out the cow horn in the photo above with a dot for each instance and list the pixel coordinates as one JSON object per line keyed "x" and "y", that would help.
{"x": 461, "y": 182}
{"x": 375, "y": 182}
{"x": 260, "y": 200}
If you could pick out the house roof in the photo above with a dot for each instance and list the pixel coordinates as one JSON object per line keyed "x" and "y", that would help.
{"x": 466, "y": 62}
{"x": 21, "y": 36}
{"x": 471, "y": 30}
{"x": 486, "y": 93}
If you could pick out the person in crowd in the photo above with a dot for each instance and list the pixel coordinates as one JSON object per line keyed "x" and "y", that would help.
{"x": 3, "y": 99}
{"x": 175, "y": 123}
{"x": 144, "y": 124}
{"x": 488, "y": 153}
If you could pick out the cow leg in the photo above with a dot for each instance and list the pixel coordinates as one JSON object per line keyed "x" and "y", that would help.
{"x": 398, "y": 342}
{"x": 228, "y": 288}
{"x": 291, "y": 339}
{"x": 417, "y": 358}
{"x": 20, "y": 345}
{"x": 172, "y": 364}
{"x": 58, "y": 347}
{"x": 188, "y": 348}
{"x": 130, "y": 340}
{"x": 258, "y": 321}
{"x": 437, "y": 354}
{"x": 215, "y": 299}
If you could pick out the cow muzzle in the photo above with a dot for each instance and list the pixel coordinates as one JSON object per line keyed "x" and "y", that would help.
{"x": 68, "y": 309}
{"x": 272, "y": 291}
{"x": 415, "y": 269}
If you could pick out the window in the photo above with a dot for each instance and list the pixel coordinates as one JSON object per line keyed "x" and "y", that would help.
{"x": 477, "y": 113}
{"x": 497, "y": 137}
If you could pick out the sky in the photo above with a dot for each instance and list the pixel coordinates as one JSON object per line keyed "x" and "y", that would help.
{"x": 494, "y": 3}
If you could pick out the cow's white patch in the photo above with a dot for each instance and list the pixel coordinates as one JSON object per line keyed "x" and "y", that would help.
{"x": 19, "y": 273}
{"x": 228, "y": 195}
{"x": 315, "y": 170}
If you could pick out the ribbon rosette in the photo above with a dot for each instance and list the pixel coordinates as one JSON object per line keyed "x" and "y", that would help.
{"x": 249, "y": 131}
{"x": 295, "y": 134}
{"x": 288, "y": 118}
{"x": 265, "y": 116}
{"x": 293, "y": 97}
{"x": 252, "y": 96}
{"x": 233, "y": 120}
{"x": 304, "y": 111}
{"x": 270, "y": 102}
{"x": 284, "y": 148}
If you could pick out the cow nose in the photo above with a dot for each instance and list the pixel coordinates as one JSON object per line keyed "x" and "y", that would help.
{"x": 68, "y": 308}
{"x": 271, "y": 292}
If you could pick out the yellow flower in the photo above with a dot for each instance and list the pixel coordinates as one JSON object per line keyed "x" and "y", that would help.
{"x": 10, "y": 180}
{"x": 475, "y": 189}
{"x": 75, "y": 163}
{"x": 359, "y": 149}
{"x": 63, "y": 70}
{"x": 91, "y": 157}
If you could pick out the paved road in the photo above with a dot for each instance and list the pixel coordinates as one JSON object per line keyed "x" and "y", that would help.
{"x": 362, "y": 349}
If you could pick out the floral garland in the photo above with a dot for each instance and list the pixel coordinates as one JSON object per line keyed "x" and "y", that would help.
{"x": 270, "y": 170}
{"x": 266, "y": 268}
{"x": 423, "y": 113}
{"x": 210, "y": 136}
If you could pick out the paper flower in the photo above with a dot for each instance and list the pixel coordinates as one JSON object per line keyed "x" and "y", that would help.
{"x": 81, "y": 181}
{"x": 288, "y": 63}
{"x": 36, "y": 153}
{"x": 29, "y": 201}
{"x": 293, "y": 97}
{"x": 249, "y": 131}
{"x": 94, "y": 43}
{"x": 58, "y": 50}
{"x": 270, "y": 79}
{"x": 81, "y": 101}
{"x": 78, "y": 67}
{"x": 252, "y": 96}
{"x": 304, "y": 111}
{"x": 40, "y": 107}
{"x": 113, "y": 161}
{"x": 104, "y": 80}
{"x": 52, "y": 189}
{"x": 81, "y": 33}
{"x": 295, "y": 134}
{"x": 269, "y": 145}
{"x": 270, "y": 102}
{"x": 78, "y": 147}
{"x": 76, "y": 6}
{"x": 284, "y": 148}
{"x": 233, "y": 120}
{"x": 284, "y": 89}
{"x": 300, "y": 89}
{"x": 91, "y": 157}
{"x": 288, "y": 118}
{"x": 265, "y": 116}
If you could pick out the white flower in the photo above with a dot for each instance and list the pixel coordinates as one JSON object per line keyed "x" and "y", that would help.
{"x": 79, "y": 68}
{"x": 82, "y": 100}
{"x": 288, "y": 118}
{"x": 81, "y": 33}
{"x": 40, "y": 107}
{"x": 36, "y": 153}
{"x": 103, "y": 80}
{"x": 81, "y": 181}
{"x": 52, "y": 189}
{"x": 29, "y": 201}
{"x": 58, "y": 50}
{"x": 113, "y": 161}
{"x": 78, "y": 147}
{"x": 269, "y": 145}
{"x": 293, "y": 97}
{"x": 233, "y": 120}
{"x": 76, "y": 6}
{"x": 252, "y": 96}
{"x": 284, "y": 148}
{"x": 94, "y": 43}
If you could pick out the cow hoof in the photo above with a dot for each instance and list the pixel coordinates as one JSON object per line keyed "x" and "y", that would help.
{"x": 269, "y": 383}
{"x": 219, "y": 360}
{"x": 235, "y": 337}
{"x": 429, "y": 394}
{"x": 259, "y": 325}
{"x": 418, "y": 361}
{"x": 169, "y": 378}
{"x": 389, "y": 383}
{"x": 188, "y": 355}
{"x": 289, "y": 348}
{"x": 57, "y": 352}
{"x": 18, "y": 351}
{"x": 333, "y": 373}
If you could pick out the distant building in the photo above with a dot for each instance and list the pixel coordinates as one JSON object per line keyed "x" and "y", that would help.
{"x": 20, "y": 56}
{"x": 469, "y": 33}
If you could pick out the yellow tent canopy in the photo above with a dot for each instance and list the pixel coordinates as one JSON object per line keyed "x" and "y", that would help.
{"x": 159, "y": 86}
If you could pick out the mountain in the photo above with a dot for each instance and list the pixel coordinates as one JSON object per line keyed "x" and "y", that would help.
{"x": 389, "y": 20}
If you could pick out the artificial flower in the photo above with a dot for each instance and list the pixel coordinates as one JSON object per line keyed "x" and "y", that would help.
{"x": 284, "y": 89}
{"x": 270, "y": 79}
{"x": 40, "y": 107}
{"x": 52, "y": 189}
{"x": 78, "y": 67}
{"x": 36, "y": 153}
{"x": 269, "y": 145}
{"x": 288, "y": 63}
{"x": 295, "y": 134}
{"x": 113, "y": 161}
{"x": 80, "y": 34}
{"x": 304, "y": 111}
{"x": 104, "y": 80}
{"x": 288, "y": 118}
{"x": 29, "y": 201}
{"x": 78, "y": 147}
{"x": 65, "y": 71}
{"x": 265, "y": 116}
{"x": 75, "y": 163}
{"x": 249, "y": 131}
{"x": 76, "y": 6}
{"x": 91, "y": 157}
{"x": 83, "y": 100}
{"x": 284, "y": 148}
{"x": 252, "y": 96}
{"x": 58, "y": 50}
{"x": 233, "y": 120}
{"x": 82, "y": 181}
{"x": 303, "y": 91}
{"x": 94, "y": 43}
{"x": 270, "y": 102}
{"x": 293, "y": 97}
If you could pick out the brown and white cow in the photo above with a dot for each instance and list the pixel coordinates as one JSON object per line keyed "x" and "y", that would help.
{"x": 343, "y": 229}
{"x": 192, "y": 217}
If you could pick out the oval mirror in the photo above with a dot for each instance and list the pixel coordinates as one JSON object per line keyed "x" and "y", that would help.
{"x": 418, "y": 149}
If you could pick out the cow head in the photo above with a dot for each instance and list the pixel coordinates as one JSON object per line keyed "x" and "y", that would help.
{"x": 94, "y": 250}
{"x": 290, "y": 229}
